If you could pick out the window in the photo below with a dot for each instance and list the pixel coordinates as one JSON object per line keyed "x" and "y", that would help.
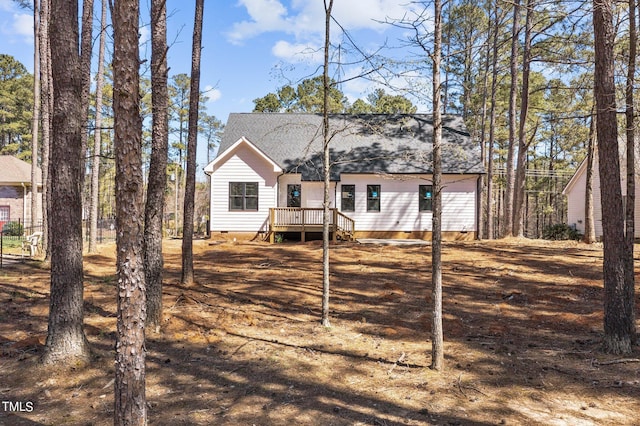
{"x": 348, "y": 203}
{"x": 373, "y": 198}
{"x": 294, "y": 198}
{"x": 243, "y": 196}
{"x": 5, "y": 213}
{"x": 426, "y": 198}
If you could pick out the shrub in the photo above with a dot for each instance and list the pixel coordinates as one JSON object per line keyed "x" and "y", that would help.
{"x": 561, "y": 231}
{"x": 12, "y": 229}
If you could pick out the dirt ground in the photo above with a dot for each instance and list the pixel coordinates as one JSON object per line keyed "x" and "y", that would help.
{"x": 522, "y": 322}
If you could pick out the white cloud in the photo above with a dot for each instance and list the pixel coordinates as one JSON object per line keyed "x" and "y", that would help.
{"x": 6, "y": 5}
{"x": 22, "y": 25}
{"x": 212, "y": 93}
{"x": 144, "y": 35}
{"x": 266, "y": 16}
{"x": 369, "y": 14}
{"x": 305, "y": 18}
{"x": 297, "y": 52}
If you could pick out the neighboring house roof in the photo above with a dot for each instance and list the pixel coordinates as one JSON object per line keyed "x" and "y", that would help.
{"x": 582, "y": 167}
{"x": 14, "y": 171}
{"x": 575, "y": 178}
{"x": 367, "y": 143}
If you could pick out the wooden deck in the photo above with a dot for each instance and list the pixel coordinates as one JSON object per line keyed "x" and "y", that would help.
{"x": 303, "y": 220}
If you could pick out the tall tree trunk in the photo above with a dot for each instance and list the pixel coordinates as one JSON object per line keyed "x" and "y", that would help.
{"x": 154, "y": 209}
{"x": 483, "y": 145}
{"x": 97, "y": 137}
{"x": 86, "y": 44}
{"x": 326, "y": 204}
{"x": 35, "y": 128}
{"x": 447, "y": 68}
{"x": 192, "y": 140}
{"x": 507, "y": 223}
{"x": 492, "y": 124}
{"x": 66, "y": 341}
{"x": 437, "y": 343}
{"x": 631, "y": 167}
{"x": 482, "y": 183}
{"x": 589, "y": 224}
{"x": 47, "y": 108}
{"x": 523, "y": 145}
{"x": 619, "y": 328}
{"x": 129, "y": 386}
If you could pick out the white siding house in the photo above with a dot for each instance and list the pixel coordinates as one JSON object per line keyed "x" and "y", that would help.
{"x": 576, "y": 190}
{"x": 380, "y": 176}
{"x": 399, "y": 204}
{"x": 243, "y": 164}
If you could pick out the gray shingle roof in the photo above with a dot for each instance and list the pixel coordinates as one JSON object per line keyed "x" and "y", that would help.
{"x": 15, "y": 171}
{"x": 368, "y": 143}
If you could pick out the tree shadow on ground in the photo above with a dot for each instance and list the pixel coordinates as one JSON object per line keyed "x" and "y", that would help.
{"x": 244, "y": 345}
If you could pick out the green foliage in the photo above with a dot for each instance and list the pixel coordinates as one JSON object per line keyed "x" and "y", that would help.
{"x": 379, "y": 102}
{"x": 561, "y": 231}
{"x": 16, "y": 105}
{"x": 211, "y": 128}
{"x": 268, "y": 103}
{"x": 308, "y": 97}
{"x": 179, "y": 93}
{"x": 12, "y": 229}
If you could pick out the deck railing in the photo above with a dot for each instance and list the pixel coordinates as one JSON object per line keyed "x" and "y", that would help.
{"x": 304, "y": 219}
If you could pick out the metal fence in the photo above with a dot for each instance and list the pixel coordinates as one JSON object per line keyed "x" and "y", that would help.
{"x": 17, "y": 239}
{"x": 15, "y": 236}
{"x": 106, "y": 230}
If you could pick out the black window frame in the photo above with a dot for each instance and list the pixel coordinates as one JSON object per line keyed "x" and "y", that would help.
{"x": 350, "y": 200}
{"x": 373, "y": 198}
{"x": 425, "y": 198}
{"x": 243, "y": 196}
{"x": 294, "y": 200}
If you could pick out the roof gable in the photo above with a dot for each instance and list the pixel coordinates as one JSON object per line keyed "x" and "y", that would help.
{"x": 221, "y": 159}
{"x": 575, "y": 178}
{"x": 368, "y": 143}
{"x": 16, "y": 171}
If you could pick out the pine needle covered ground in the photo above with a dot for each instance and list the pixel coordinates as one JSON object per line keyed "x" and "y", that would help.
{"x": 244, "y": 346}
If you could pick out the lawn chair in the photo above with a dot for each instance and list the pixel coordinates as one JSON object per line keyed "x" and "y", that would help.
{"x": 31, "y": 244}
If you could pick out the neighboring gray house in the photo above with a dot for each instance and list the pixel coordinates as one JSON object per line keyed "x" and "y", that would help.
{"x": 15, "y": 191}
{"x": 267, "y": 176}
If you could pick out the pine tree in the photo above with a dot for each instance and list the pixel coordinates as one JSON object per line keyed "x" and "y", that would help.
{"x": 130, "y": 406}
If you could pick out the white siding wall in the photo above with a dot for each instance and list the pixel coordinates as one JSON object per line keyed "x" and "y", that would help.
{"x": 576, "y": 197}
{"x": 399, "y": 204}
{"x": 597, "y": 203}
{"x": 312, "y": 192}
{"x": 575, "y": 203}
{"x": 283, "y": 181}
{"x": 242, "y": 166}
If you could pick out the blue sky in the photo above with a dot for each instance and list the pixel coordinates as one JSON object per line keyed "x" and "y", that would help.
{"x": 250, "y": 47}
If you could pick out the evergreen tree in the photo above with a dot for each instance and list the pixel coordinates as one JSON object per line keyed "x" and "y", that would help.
{"x": 130, "y": 406}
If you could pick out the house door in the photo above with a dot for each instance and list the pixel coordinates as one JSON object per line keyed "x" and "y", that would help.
{"x": 294, "y": 197}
